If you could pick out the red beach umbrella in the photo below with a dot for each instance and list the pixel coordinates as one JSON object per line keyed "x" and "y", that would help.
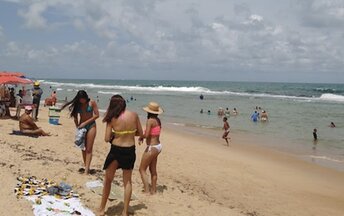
{"x": 13, "y": 78}
{"x": 7, "y": 73}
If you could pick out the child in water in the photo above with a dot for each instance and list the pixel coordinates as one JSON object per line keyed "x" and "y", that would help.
{"x": 226, "y": 128}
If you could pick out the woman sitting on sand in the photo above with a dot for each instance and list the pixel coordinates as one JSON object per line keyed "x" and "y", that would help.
{"x": 154, "y": 147}
{"x": 85, "y": 108}
{"x": 121, "y": 128}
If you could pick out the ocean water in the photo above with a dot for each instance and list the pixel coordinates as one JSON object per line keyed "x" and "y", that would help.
{"x": 294, "y": 109}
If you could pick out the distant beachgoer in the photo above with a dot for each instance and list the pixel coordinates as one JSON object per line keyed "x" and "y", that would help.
{"x": 12, "y": 98}
{"x": 53, "y": 98}
{"x": 332, "y": 125}
{"x": 97, "y": 99}
{"x": 315, "y": 135}
{"x": 220, "y": 112}
{"x": 154, "y": 147}
{"x": 37, "y": 94}
{"x": 87, "y": 111}
{"x": 226, "y": 130}
{"x": 209, "y": 112}
{"x": 227, "y": 112}
{"x": 131, "y": 98}
{"x": 28, "y": 126}
{"x": 121, "y": 128}
{"x": 201, "y": 97}
{"x": 264, "y": 117}
{"x": 255, "y": 116}
{"x": 201, "y": 111}
{"x": 20, "y": 93}
{"x": 235, "y": 112}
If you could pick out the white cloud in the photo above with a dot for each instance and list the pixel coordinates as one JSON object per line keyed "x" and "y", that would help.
{"x": 185, "y": 33}
{"x": 33, "y": 16}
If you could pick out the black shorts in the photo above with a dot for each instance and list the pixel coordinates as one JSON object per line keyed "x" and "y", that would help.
{"x": 125, "y": 156}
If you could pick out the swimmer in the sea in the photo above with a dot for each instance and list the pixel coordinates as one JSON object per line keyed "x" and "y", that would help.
{"x": 227, "y": 112}
{"x": 264, "y": 117}
{"x": 235, "y": 111}
{"x": 255, "y": 116}
{"x": 332, "y": 125}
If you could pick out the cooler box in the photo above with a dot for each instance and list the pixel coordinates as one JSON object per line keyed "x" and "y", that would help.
{"x": 54, "y": 115}
{"x": 54, "y": 112}
{"x": 54, "y": 120}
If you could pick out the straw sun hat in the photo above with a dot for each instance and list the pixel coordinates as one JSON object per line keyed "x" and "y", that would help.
{"x": 153, "y": 108}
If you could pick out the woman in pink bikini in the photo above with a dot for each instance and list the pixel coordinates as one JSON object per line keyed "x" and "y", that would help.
{"x": 154, "y": 147}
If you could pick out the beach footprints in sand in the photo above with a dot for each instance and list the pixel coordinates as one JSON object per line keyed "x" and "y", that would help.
{"x": 117, "y": 209}
{"x": 161, "y": 188}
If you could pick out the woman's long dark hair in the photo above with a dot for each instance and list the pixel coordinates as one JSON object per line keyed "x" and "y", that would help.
{"x": 116, "y": 108}
{"x": 154, "y": 116}
{"x": 75, "y": 105}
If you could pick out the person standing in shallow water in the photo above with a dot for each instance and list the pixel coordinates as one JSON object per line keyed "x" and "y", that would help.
{"x": 121, "y": 128}
{"x": 85, "y": 113}
{"x": 154, "y": 147}
{"x": 255, "y": 116}
{"x": 315, "y": 135}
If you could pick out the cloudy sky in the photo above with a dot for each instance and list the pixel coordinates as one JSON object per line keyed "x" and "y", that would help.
{"x": 265, "y": 40}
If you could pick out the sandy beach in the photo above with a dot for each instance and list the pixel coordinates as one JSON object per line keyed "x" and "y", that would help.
{"x": 197, "y": 175}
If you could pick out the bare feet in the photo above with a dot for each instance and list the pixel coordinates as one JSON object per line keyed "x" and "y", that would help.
{"x": 101, "y": 212}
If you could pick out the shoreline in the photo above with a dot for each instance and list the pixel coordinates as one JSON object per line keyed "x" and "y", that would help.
{"x": 310, "y": 154}
{"x": 197, "y": 175}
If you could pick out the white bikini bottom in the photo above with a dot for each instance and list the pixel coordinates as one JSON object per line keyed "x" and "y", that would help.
{"x": 157, "y": 147}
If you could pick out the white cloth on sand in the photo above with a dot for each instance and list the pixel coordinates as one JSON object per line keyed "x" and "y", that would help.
{"x": 51, "y": 206}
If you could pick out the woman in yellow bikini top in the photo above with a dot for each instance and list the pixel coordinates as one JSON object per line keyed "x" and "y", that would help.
{"x": 121, "y": 128}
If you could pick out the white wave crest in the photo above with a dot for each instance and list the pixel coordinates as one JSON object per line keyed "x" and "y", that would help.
{"x": 332, "y": 97}
{"x": 190, "y": 90}
{"x": 160, "y": 88}
{"x": 108, "y": 92}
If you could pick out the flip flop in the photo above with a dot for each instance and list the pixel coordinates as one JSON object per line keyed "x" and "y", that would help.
{"x": 81, "y": 170}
